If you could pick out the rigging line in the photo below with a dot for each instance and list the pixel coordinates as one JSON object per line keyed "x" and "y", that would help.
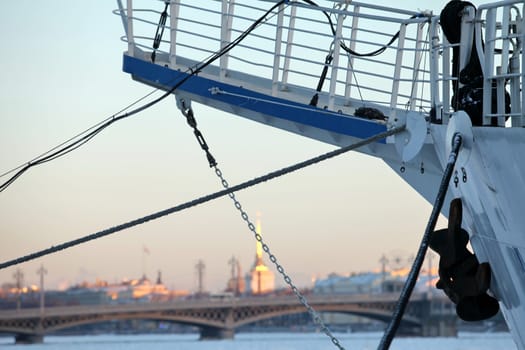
{"x": 327, "y": 62}
{"x": 425, "y": 50}
{"x": 351, "y": 64}
{"x": 417, "y": 69}
{"x": 355, "y": 53}
{"x": 351, "y": 52}
{"x": 216, "y": 90}
{"x": 34, "y": 159}
{"x": 399, "y": 310}
{"x": 201, "y": 200}
{"x": 101, "y": 126}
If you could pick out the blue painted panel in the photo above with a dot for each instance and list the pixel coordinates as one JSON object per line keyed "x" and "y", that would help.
{"x": 275, "y": 107}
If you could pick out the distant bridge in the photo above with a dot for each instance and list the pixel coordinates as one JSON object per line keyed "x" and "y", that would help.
{"x": 219, "y": 318}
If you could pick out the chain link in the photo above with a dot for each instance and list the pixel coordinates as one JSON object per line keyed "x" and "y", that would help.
{"x": 314, "y": 314}
{"x": 188, "y": 113}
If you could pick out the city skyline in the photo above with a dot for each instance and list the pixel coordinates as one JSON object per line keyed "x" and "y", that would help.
{"x": 22, "y": 279}
{"x": 396, "y": 262}
{"x": 61, "y": 77}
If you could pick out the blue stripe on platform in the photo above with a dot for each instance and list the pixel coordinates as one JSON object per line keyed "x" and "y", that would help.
{"x": 251, "y": 100}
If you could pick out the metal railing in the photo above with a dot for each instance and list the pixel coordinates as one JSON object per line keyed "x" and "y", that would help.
{"x": 289, "y": 50}
{"x": 496, "y": 31}
{"x": 504, "y": 68}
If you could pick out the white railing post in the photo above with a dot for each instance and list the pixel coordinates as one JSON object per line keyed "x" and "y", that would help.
{"x": 335, "y": 61}
{"x": 277, "y": 51}
{"x": 490, "y": 33}
{"x": 397, "y": 69}
{"x": 174, "y": 21}
{"x": 226, "y": 24}
{"x": 517, "y": 76}
{"x": 505, "y": 45}
{"x": 289, "y": 45}
{"x": 440, "y": 107}
{"x": 500, "y": 96}
{"x": 131, "y": 40}
{"x": 504, "y": 66}
{"x": 350, "y": 67}
{"x": 447, "y": 81}
{"x": 522, "y": 76}
{"x": 417, "y": 63}
{"x": 515, "y": 95}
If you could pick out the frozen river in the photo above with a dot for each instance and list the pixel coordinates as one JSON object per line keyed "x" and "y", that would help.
{"x": 267, "y": 341}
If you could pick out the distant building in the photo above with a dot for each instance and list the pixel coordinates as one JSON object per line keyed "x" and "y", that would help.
{"x": 363, "y": 283}
{"x": 102, "y": 292}
{"x": 143, "y": 289}
{"x": 260, "y": 279}
{"x": 367, "y": 283}
{"x": 372, "y": 283}
{"x": 77, "y": 296}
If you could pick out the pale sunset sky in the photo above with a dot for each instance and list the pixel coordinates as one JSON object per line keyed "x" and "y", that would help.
{"x": 61, "y": 73}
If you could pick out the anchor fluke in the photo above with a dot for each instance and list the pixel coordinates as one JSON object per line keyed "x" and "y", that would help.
{"x": 477, "y": 308}
{"x": 461, "y": 277}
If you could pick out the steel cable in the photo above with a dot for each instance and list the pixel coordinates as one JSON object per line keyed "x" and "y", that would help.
{"x": 410, "y": 283}
{"x": 201, "y": 200}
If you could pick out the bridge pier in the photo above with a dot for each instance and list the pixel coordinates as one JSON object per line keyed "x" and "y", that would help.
{"x": 439, "y": 327}
{"x": 24, "y": 338}
{"x": 214, "y": 333}
{"x": 439, "y": 319}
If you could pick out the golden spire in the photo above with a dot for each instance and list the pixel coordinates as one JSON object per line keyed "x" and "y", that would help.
{"x": 259, "y": 264}
{"x": 261, "y": 279}
{"x": 258, "y": 247}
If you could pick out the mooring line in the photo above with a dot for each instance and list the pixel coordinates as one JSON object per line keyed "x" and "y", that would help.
{"x": 410, "y": 283}
{"x": 201, "y": 200}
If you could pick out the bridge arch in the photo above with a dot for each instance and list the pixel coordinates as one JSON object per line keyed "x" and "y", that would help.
{"x": 214, "y": 318}
{"x": 383, "y": 315}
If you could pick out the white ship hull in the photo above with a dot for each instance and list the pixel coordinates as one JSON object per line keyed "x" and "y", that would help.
{"x": 493, "y": 199}
{"x": 273, "y": 83}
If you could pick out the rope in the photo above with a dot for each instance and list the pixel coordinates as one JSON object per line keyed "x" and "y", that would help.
{"x": 402, "y": 302}
{"x": 71, "y": 145}
{"x": 201, "y": 200}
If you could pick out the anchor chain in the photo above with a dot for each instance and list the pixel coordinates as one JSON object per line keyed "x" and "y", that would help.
{"x": 187, "y": 111}
{"x": 314, "y": 314}
{"x": 190, "y": 118}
